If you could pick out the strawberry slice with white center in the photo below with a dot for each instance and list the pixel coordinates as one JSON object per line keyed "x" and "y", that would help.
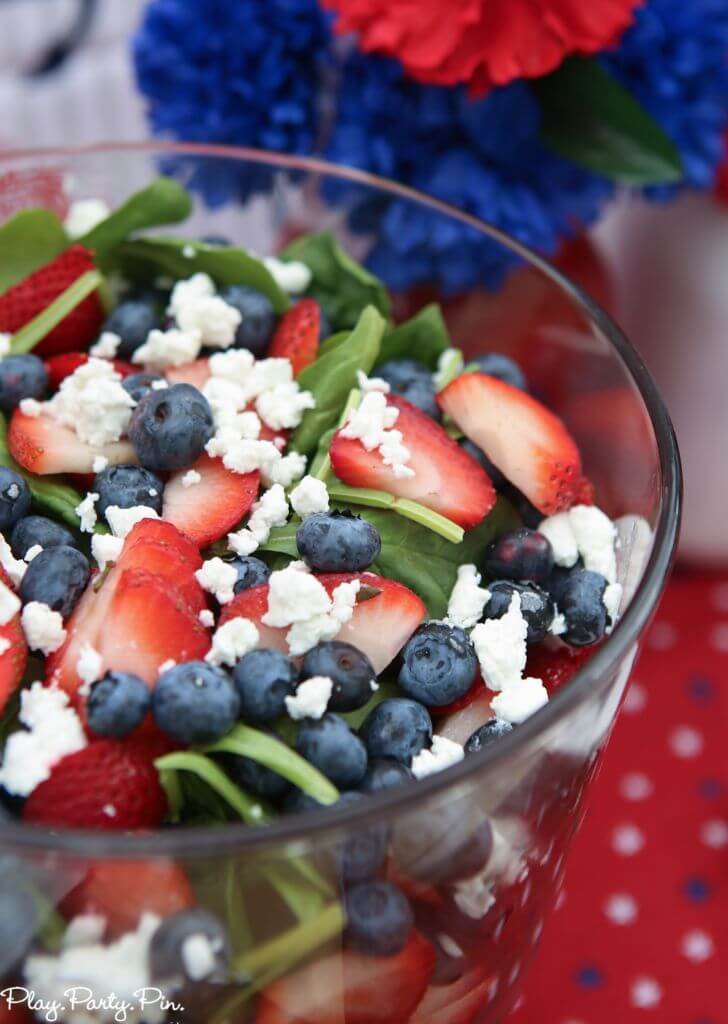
{"x": 351, "y": 987}
{"x": 296, "y": 337}
{"x": 525, "y": 440}
{"x": 42, "y": 445}
{"x": 460, "y": 725}
{"x": 446, "y": 478}
{"x": 14, "y": 656}
{"x": 210, "y": 508}
{"x": 196, "y": 373}
{"x": 253, "y": 604}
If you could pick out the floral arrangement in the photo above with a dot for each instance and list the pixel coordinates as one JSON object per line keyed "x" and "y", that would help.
{"x": 526, "y": 113}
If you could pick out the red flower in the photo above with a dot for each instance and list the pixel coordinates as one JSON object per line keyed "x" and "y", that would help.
{"x": 482, "y": 42}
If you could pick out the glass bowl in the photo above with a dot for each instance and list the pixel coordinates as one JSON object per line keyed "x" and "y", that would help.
{"x": 479, "y": 849}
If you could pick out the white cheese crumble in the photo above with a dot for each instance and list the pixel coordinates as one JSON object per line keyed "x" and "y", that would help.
{"x": 612, "y": 598}
{"x": 443, "y": 753}
{"x": 84, "y": 215}
{"x": 14, "y": 567}
{"x": 371, "y": 423}
{"x": 9, "y": 604}
{"x": 270, "y": 510}
{"x": 199, "y": 286}
{"x": 84, "y": 930}
{"x": 501, "y": 646}
{"x": 105, "y": 548}
{"x": 4, "y": 344}
{"x": 218, "y": 578}
{"x": 99, "y": 464}
{"x": 296, "y": 599}
{"x": 32, "y": 553}
{"x": 172, "y": 347}
{"x": 587, "y": 532}
{"x": 86, "y": 512}
{"x": 53, "y": 730}
{"x": 468, "y": 598}
{"x": 474, "y": 896}
{"x": 206, "y": 618}
{"x": 519, "y": 700}
{"x": 199, "y": 311}
{"x": 291, "y": 276}
{"x": 309, "y": 497}
{"x": 43, "y": 627}
{"x": 123, "y": 520}
{"x": 558, "y": 532}
{"x": 558, "y": 625}
{"x": 191, "y": 478}
{"x": 160, "y": 385}
{"x": 31, "y": 407}
{"x": 311, "y": 698}
{"x": 107, "y": 346}
{"x": 232, "y": 641}
{"x": 90, "y": 666}
{"x": 92, "y": 401}
{"x": 284, "y": 471}
{"x": 189, "y": 252}
{"x": 198, "y": 956}
{"x": 282, "y": 407}
{"x": 371, "y": 383}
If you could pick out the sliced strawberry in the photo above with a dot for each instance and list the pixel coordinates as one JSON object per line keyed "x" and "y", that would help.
{"x": 196, "y": 373}
{"x": 458, "y": 1003}
{"x": 167, "y": 562}
{"x": 123, "y": 890}
{"x": 35, "y": 187}
{"x": 351, "y": 987}
{"x": 253, "y": 604}
{"x": 446, "y": 478}
{"x": 61, "y": 366}
{"x": 528, "y": 444}
{"x": 586, "y": 492}
{"x": 33, "y": 294}
{"x": 461, "y": 725}
{"x": 211, "y": 508}
{"x": 107, "y": 785}
{"x": 13, "y": 659}
{"x": 467, "y": 698}
{"x": 297, "y": 335}
{"x": 556, "y": 665}
{"x": 42, "y": 445}
{"x": 15, "y": 1013}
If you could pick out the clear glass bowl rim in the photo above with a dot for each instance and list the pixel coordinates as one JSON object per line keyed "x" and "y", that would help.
{"x": 308, "y": 828}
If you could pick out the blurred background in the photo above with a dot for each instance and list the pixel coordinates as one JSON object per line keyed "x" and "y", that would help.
{"x": 594, "y": 132}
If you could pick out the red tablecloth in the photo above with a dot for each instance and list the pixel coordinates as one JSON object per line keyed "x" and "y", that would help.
{"x": 642, "y": 931}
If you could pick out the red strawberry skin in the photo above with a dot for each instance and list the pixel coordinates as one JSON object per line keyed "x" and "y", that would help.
{"x": 297, "y": 335}
{"x": 196, "y": 373}
{"x": 83, "y": 787}
{"x": 14, "y": 659}
{"x": 33, "y": 294}
{"x": 447, "y": 479}
{"x": 42, "y": 445}
{"x": 208, "y": 510}
{"x": 63, "y": 365}
{"x": 556, "y": 665}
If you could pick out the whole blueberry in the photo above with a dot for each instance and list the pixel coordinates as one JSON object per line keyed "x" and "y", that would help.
{"x": 384, "y": 773}
{"x": 364, "y": 851}
{"x": 558, "y": 581}
{"x": 132, "y": 320}
{"x": 167, "y": 959}
{"x": 439, "y": 664}
{"x": 401, "y": 374}
{"x": 521, "y": 554}
{"x": 21, "y": 377}
{"x": 195, "y": 702}
{"x": 351, "y": 672}
{"x": 117, "y": 704}
{"x": 421, "y": 394}
{"x": 497, "y": 478}
{"x": 170, "y": 428}
{"x": 379, "y": 919}
{"x": 397, "y": 728}
{"x": 330, "y": 745}
{"x": 537, "y": 607}
{"x": 14, "y": 498}
{"x": 582, "y": 605}
{"x": 38, "y": 530}
{"x": 495, "y": 364}
{"x": 264, "y": 678}
{"x": 338, "y": 542}
{"x": 493, "y": 729}
{"x": 259, "y": 318}
{"x": 256, "y": 778}
{"x": 530, "y": 515}
{"x": 251, "y": 571}
{"x": 325, "y": 330}
{"x": 140, "y": 384}
{"x": 18, "y": 923}
{"x": 127, "y": 486}
{"x": 56, "y": 577}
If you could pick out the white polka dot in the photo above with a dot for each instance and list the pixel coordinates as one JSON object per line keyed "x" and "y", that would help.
{"x": 697, "y": 946}
{"x": 627, "y": 840}
{"x": 685, "y": 741}
{"x": 621, "y": 908}
{"x": 719, "y": 597}
{"x": 645, "y": 993}
{"x": 714, "y": 833}
{"x": 635, "y": 786}
{"x": 719, "y": 637}
{"x": 635, "y": 699}
{"x": 662, "y": 636}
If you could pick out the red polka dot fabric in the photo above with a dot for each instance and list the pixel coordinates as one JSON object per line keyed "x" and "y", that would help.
{"x": 641, "y": 933}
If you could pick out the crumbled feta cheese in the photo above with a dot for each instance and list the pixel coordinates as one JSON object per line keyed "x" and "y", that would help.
{"x": 371, "y": 383}
{"x": 297, "y": 599}
{"x": 309, "y": 497}
{"x": 310, "y": 699}
{"x": 43, "y": 627}
{"x": 9, "y": 604}
{"x": 105, "y": 548}
{"x": 206, "y": 618}
{"x": 284, "y": 471}
{"x": 31, "y": 407}
{"x": 32, "y": 553}
{"x": 282, "y": 407}
{"x": 302, "y": 636}
{"x": 612, "y": 598}
{"x": 241, "y": 455}
{"x": 4, "y": 344}
{"x": 84, "y": 215}
{"x": 234, "y": 365}
{"x": 123, "y": 520}
{"x": 191, "y": 478}
{"x": 213, "y": 319}
{"x": 442, "y": 754}
{"x": 218, "y": 578}
{"x": 501, "y": 646}
{"x": 468, "y": 598}
{"x": 232, "y": 641}
{"x": 53, "y": 729}
{"x": 198, "y": 956}
{"x": 558, "y": 625}
{"x": 189, "y": 252}
{"x": 172, "y": 347}
{"x": 557, "y": 530}
{"x": 371, "y": 423}
{"x": 14, "y": 567}
{"x": 450, "y": 947}
{"x": 291, "y": 276}
{"x": 84, "y": 930}
{"x": 160, "y": 385}
{"x": 92, "y": 401}
{"x": 595, "y": 535}
{"x": 474, "y": 896}
{"x": 184, "y": 292}
{"x": 107, "y": 346}
{"x": 86, "y": 512}
{"x": 519, "y": 700}
{"x": 270, "y": 510}
{"x": 99, "y": 464}
{"x": 90, "y": 666}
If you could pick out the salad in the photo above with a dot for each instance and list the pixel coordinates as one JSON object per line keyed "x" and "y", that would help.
{"x": 263, "y": 551}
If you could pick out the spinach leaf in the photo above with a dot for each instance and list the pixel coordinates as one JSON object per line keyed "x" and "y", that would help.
{"x": 165, "y": 201}
{"x": 340, "y": 284}
{"x": 27, "y": 241}
{"x": 251, "y": 810}
{"x": 424, "y": 337}
{"x": 145, "y": 258}
{"x": 36, "y": 329}
{"x": 333, "y": 375}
